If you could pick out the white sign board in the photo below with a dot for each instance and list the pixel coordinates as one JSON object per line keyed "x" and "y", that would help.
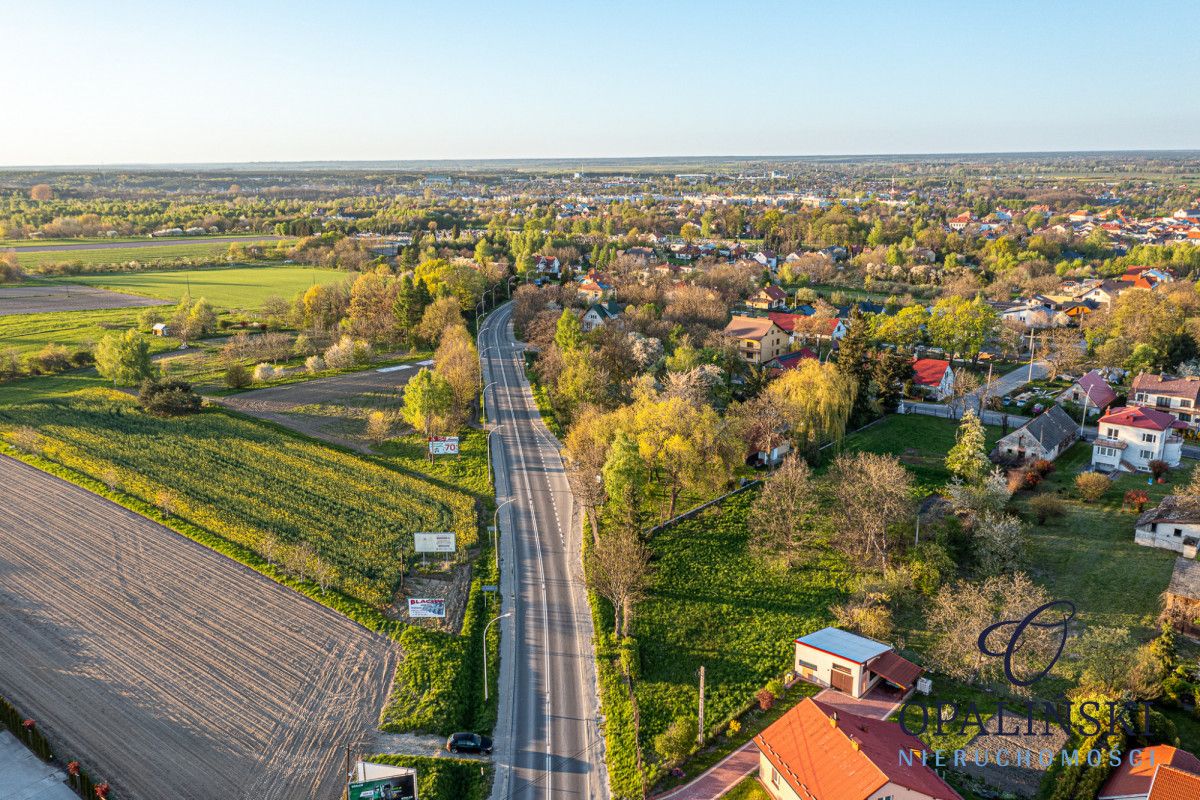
{"x": 426, "y": 607}
{"x": 444, "y": 446}
{"x": 435, "y": 543}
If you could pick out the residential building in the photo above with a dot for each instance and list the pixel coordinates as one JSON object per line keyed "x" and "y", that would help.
{"x": 933, "y": 377}
{"x": 1174, "y": 524}
{"x": 1176, "y": 396}
{"x": 788, "y": 361}
{"x": 768, "y": 298}
{"x": 599, "y": 314}
{"x": 853, "y": 664}
{"x": 961, "y": 221}
{"x": 1181, "y": 600}
{"x": 1134, "y": 778}
{"x": 595, "y": 286}
{"x": 1131, "y": 437}
{"x": 1090, "y": 390}
{"x": 816, "y": 752}
{"x": 759, "y": 339}
{"x": 548, "y": 266}
{"x": 1045, "y": 436}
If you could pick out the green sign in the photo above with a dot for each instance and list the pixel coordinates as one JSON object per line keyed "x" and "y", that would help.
{"x": 401, "y": 787}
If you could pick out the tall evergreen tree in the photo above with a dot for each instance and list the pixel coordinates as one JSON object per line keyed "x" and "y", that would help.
{"x": 854, "y": 362}
{"x": 968, "y": 458}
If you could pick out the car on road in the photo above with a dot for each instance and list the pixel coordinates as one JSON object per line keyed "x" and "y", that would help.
{"x": 469, "y": 743}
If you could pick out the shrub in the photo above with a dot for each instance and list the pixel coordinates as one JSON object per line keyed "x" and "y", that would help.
{"x": 676, "y": 741}
{"x": 303, "y": 346}
{"x": 1042, "y": 467}
{"x": 1045, "y": 506}
{"x": 347, "y": 353}
{"x": 314, "y": 364}
{"x": 631, "y": 660}
{"x": 734, "y": 728}
{"x": 929, "y": 565}
{"x": 168, "y": 398}
{"x": 765, "y": 698}
{"x": 237, "y": 376}
{"x": 1092, "y": 486}
{"x": 82, "y": 358}
{"x": 52, "y": 358}
{"x": 1137, "y": 499}
{"x": 1158, "y": 468}
{"x": 1030, "y": 479}
{"x": 265, "y": 372}
{"x": 10, "y": 363}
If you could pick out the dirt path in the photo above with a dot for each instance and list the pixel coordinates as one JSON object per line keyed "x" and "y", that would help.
{"x": 66, "y": 297}
{"x": 169, "y": 669}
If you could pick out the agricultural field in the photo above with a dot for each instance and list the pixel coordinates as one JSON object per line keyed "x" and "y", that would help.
{"x": 238, "y": 287}
{"x": 35, "y": 259}
{"x": 76, "y": 330}
{"x": 254, "y": 484}
{"x": 65, "y": 297}
{"x": 135, "y": 648}
{"x": 712, "y": 604}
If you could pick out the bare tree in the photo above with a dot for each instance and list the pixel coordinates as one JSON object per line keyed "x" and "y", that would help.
{"x": 873, "y": 496}
{"x": 965, "y": 383}
{"x": 268, "y": 546}
{"x": 587, "y": 449}
{"x": 619, "y": 570}
{"x": 999, "y": 543}
{"x": 780, "y": 528}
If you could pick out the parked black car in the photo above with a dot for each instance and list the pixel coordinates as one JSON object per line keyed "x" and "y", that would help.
{"x": 469, "y": 743}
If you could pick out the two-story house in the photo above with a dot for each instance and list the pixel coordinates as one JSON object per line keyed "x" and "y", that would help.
{"x": 759, "y": 338}
{"x": 599, "y": 314}
{"x": 934, "y": 377}
{"x": 768, "y": 298}
{"x": 1176, "y": 396}
{"x": 1132, "y": 437}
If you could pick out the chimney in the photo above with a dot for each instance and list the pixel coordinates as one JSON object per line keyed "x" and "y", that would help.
{"x": 833, "y": 720}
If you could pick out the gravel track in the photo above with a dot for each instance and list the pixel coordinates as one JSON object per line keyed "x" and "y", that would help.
{"x": 170, "y": 670}
{"x": 64, "y": 297}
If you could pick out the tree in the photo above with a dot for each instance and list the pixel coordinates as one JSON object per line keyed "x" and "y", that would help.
{"x": 677, "y": 740}
{"x": 408, "y": 306}
{"x": 686, "y": 446}
{"x": 372, "y": 313}
{"x": 968, "y": 458}
{"x": 905, "y": 329}
{"x": 999, "y": 543}
{"x": 619, "y": 569}
{"x": 1103, "y": 656}
{"x": 889, "y": 372}
{"x": 41, "y": 192}
{"x": 854, "y": 361}
{"x": 815, "y": 400}
{"x": 873, "y": 496}
{"x": 587, "y": 447}
{"x": 428, "y": 403}
{"x": 123, "y": 358}
{"x": 379, "y": 427}
{"x": 962, "y": 326}
{"x": 457, "y": 360}
{"x": 568, "y": 335}
{"x": 442, "y": 313}
{"x": 168, "y": 398}
{"x": 237, "y": 376}
{"x": 966, "y": 383}
{"x": 624, "y": 475}
{"x": 780, "y": 528}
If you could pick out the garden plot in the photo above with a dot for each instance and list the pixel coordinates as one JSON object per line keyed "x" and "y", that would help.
{"x": 169, "y": 670}
{"x": 66, "y": 297}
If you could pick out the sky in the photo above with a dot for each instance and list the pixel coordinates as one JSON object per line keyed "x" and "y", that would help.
{"x": 260, "y": 80}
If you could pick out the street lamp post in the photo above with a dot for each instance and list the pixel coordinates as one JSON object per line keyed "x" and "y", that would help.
{"x": 496, "y": 530}
{"x": 485, "y": 630}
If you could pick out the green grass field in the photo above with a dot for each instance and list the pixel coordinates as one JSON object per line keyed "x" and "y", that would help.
{"x": 242, "y": 479}
{"x": 77, "y": 330}
{"x": 711, "y": 603}
{"x": 17, "y": 244}
{"x": 227, "y": 287}
{"x": 920, "y": 442}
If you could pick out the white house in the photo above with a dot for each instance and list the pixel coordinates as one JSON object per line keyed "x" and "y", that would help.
{"x": 934, "y": 377}
{"x": 1130, "y": 438}
{"x": 1176, "y": 396}
{"x": 852, "y": 664}
{"x": 599, "y": 314}
{"x": 1174, "y": 524}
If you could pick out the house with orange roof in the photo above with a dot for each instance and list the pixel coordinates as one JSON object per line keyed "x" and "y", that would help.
{"x": 817, "y": 752}
{"x": 1136, "y": 776}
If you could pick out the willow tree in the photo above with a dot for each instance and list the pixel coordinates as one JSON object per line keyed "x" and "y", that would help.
{"x": 815, "y": 400}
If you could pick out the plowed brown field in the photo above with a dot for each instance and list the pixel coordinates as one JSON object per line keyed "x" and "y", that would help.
{"x": 171, "y": 671}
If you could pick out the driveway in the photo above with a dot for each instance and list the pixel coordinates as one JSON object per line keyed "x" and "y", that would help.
{"x": 719, "y": 779}
{"x": 879, "y": 703}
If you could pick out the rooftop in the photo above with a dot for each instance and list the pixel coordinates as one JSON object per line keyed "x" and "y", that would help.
{"x": 842, "y": 643}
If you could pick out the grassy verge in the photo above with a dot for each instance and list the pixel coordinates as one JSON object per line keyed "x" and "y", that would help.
{"x": 75, "y": 330}
{"x": 748, "y": 789}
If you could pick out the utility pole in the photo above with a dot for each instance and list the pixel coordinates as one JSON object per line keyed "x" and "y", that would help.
{"x": 1031, "y": 354}
{"x": 700, "y": 731}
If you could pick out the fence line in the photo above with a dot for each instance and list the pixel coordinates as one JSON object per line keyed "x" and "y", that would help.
{"x": 691, "y": 512}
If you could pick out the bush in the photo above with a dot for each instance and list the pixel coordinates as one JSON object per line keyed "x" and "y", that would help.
{"x": 52, "y": 358}
{"x": 1042, "y": 467}
{"x": 930, "y": 565}
{"x": 631, "y": 660}
{"x": 314, "y": 364}
{"x": 347, "y": 353}
{"x": 1045, "y": 506}
{"x": 237, "y": 376}
{"x": 266, "y": 372}
{"x": 1137, "y": 499}
{"x": 1092, "y": 486}
{"x": 1159, "y": 468}
{"x": 1030, "y": 479}
{"x": 676, "y": 741}
{"x": 168, "y": 398}
{"x": 82, "y": 358}
{"x": 765, "y": 698}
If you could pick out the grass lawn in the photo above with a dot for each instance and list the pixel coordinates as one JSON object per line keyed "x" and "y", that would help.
{"x": 238, "y": 287}
{"x": 920, "y": 442}
{"x": 77, "y": 330}
{"x": 144, "y": 254}
{"x": 467, "y": 472}
{"x": 712, "y": 604}
{"x": 749, "y": 789}
{"x": 241, "y": 479}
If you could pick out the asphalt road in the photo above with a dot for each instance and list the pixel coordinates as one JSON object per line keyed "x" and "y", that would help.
{"x": 165, "y": 240}
{"x": 548, "y": 743}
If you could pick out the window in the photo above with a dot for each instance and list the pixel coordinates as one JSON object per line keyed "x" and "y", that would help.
{"x": 774, "y": 777}
{"x": 1178, "y": 532}
{"x": 1149, "y": 437}
{"x": 1185, "y": 417}
{"x": 1185, "y": 403}
{"x": 1140, "y": 397}
{"x": 840, "y": 668}
{"x": 1147, "y": 453}
{"x": 1162, "y": 402}
{"x": 1111, "y": 433}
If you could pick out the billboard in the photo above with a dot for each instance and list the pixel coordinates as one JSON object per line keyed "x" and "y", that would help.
{"x": 426, "y": 607}
{"x": 434, "y": 543}
{"x": 382, "y": 782}
{"x": 443, "y": 445}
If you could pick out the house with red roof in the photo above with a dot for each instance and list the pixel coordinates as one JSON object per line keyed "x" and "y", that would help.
{"x": 1135, "y": 778}
{"x": 817, "y": 752}
{"x": 768, "y": 298}
{"x": 1090, "y": 390}
{"x": 933, "y": 377}
{"x": 961, "y": 221}
{"x": 1179, "y": 397}
{"x": 781, "y": 364}
{"x": 1131, "y": 437}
